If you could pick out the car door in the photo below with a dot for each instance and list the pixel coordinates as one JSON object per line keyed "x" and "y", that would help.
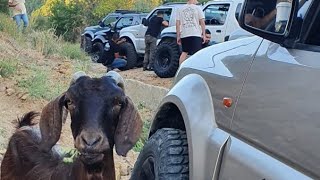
{"x": 143, "y": 29}
{"x": 215, "y": 19}
{"x": 275, "y": 128}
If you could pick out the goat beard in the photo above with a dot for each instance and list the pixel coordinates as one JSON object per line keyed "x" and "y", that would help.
{"x": 94, "y": 170}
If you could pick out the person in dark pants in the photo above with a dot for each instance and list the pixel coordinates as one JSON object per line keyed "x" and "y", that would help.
{"x": 153, "y": 31}
{"x": 113, "y": 58}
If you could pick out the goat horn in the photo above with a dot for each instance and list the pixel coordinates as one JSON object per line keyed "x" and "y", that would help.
{"x": 117, "y": 77}
{"x": 76, "y": 76}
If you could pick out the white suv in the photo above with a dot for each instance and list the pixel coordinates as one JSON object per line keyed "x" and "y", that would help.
{"x": 220, "y": 18}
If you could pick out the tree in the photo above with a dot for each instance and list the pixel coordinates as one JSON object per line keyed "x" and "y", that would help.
{"x": 4, "y": 6}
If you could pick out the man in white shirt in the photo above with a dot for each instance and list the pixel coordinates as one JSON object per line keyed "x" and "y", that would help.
{"x": 190, "y": 27}
{"x": 19, "y": 12}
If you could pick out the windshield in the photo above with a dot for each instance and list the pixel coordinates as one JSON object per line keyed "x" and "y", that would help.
{"x": 109, "y": 20}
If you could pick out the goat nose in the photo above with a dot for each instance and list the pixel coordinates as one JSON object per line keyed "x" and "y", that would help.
{"x": 91, "y": 140}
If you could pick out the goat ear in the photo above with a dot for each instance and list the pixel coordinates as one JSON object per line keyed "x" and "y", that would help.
{"x": 52, "y": 117}
{"x": 128, "y": 129}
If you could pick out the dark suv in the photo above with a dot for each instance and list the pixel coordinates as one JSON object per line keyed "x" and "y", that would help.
{"x": 110, "y": 19}
{"x": 101, "y": 38}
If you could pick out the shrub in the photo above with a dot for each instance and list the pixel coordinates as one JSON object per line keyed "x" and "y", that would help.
{"x": 40, "y": 23}
{"x": 7, "y": 25}
{"x": 7, "y": 67}
{"x": 4, "y": 6}
{"x": 67, "y": 19}
{"x": 45, "y": 42}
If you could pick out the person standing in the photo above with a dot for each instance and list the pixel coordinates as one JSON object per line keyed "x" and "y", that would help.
{"x": 190, "y": 27}
{"x": 153, "y": 31}
{"x": 19, "y": 12}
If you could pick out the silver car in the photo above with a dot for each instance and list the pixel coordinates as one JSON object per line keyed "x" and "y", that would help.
{"x": 247, "y": 109}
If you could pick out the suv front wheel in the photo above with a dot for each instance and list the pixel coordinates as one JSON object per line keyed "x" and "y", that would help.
{"x": 98, "y": 54}
{"x": 127, "y": 49}
{"x": 164, "y": 157}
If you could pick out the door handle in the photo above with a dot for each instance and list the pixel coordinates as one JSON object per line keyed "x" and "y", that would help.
{"x": 218, "y": 31}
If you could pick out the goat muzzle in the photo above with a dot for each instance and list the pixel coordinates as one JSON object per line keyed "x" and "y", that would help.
{"x": 92, "y": 146}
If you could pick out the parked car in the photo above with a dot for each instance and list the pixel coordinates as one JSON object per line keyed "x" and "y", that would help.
{"x": 244, "y": 109}
{"x": 88, "y": 33}
{"x": 220, "y": 19}
{"x": 135, "y": 34}
{"x": 101, "y": 38}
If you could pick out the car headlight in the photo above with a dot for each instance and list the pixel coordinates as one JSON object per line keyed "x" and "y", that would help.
{"x": 107, "y": 46}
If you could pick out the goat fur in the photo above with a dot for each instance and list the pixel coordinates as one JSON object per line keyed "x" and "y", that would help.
{"x": 24, "y": 159}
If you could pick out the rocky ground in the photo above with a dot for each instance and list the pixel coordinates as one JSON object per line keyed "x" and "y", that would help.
{"x": 15, "y": 100}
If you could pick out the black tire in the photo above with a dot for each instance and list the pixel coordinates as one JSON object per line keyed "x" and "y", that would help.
{"x": 87, "y": 44}
{"x": 98, "y": 53}
{"x": 166, "y": 59}
{"x": 164, "y": 157}
{"x": 127, "y": 49}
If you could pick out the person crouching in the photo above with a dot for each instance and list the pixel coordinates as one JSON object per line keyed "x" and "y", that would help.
{"x": 113, "y": 58}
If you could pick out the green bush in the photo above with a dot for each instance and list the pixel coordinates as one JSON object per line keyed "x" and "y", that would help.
{"x": 7, "y": 67}
{"x": 40, "y": 23}
{"x": 7, "y": 25}
{"x": 4, "y": 6}
{"x": 67, "y": 20}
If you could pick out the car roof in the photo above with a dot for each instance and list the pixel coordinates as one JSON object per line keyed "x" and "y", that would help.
{"x": 173, "y": 4}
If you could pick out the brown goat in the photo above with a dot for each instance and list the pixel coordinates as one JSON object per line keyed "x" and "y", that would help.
{"x": 101, "y": 116}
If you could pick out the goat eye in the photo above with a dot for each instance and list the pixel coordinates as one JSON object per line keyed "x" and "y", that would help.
{"x": 68, "y": 102}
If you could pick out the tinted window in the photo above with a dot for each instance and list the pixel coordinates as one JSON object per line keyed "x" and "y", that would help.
{"x": 110, "y": 19}
{"x": 216, "y": 14}
{"x": 167, "y": 14}
{"x": 125, "y": 22}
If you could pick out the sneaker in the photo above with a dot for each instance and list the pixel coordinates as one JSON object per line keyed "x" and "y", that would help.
{"x": 149, "y": 68}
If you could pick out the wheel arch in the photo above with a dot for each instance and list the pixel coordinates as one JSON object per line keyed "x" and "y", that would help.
{"x": 188, "y": 106}
{"x": 168, "y": 36}
{"x": 88, "y": 34}
{"x": 130, "y": 38}
{"x": 99, "y": 38}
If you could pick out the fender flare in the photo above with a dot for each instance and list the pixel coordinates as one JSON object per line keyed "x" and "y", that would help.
{"x": 99, "y": 38}
{"x": 89, "y": 33}
{"x": 131, "y": 38}
{"x": 169, "y": 35}
{"x": 191, "y": 95}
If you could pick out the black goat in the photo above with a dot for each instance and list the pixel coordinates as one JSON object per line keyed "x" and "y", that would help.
{"x": 101, "y": 116}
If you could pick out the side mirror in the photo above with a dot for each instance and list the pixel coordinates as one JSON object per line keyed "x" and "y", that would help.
{"x": 145, "y": 22}
{"x": 273, "y": 20}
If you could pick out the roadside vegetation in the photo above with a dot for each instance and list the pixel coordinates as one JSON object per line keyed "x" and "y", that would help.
{"x": 40, "y": 62}
{"x": 41, "y": 59}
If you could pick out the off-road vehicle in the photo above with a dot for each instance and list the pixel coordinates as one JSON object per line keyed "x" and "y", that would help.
{"x": 101, "y": 38}
{"x": 220, "y": 19}
{"x": 88, "y": 33}
{"x": 246, "y": 109}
